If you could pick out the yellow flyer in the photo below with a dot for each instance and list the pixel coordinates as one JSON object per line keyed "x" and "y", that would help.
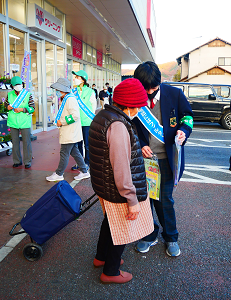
{"x": 153, "y": 177}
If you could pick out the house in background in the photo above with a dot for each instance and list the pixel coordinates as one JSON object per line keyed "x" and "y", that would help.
{"x": 208, "y": 63}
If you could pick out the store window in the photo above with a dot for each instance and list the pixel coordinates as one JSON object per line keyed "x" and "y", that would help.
{"x": 38, "y": 2}
{"x": 50, "y": 78}
{"x": 1, "y": 7}
{"x": 84, "y": 54}
{"x": 60, "y": 62}
{"x": 60, "y": 16}
{"x": 89, "y": 53}
{"x": 89, "y": 73}
{"x": 36, "y": 84}
{"x": 104, "y": 61}
{"x": 16, "y": 10}
{"x": 68, "y": 43}
{"x": 16, "y": 48}
{"x": 75, "y": 68}
{"x": 69, "y": 70}
{"x": 48, "y": 7}
{"x": 2, "y": 65}
{"x": 94, "y": 56}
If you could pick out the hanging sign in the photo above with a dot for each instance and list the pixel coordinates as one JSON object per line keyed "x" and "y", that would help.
{"x": 99, "y": 58}
{"x": 42, "y": 21}
{"x": 77, "y": 47}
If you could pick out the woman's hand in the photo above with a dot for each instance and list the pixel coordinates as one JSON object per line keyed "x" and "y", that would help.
{"x": 9, "y": 107}
{"x": 18, "y": 110}
{"x": 147, "y": 152}
{"x": 133, "y": 212}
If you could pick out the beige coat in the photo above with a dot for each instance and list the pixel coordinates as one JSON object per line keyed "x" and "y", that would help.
{"x": 70, "y": 133}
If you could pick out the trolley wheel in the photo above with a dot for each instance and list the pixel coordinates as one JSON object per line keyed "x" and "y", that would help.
{"x": 8, "y": 152}
{"x": 32, "y": 251}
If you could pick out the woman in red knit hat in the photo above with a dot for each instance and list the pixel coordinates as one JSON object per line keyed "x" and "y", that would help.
{"x": 118, "y": 178}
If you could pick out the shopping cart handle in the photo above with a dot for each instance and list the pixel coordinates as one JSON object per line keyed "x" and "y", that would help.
{"x": 12, "y": 230}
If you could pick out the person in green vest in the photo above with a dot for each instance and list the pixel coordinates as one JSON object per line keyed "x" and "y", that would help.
{"x": 87, "y": 95}
{"x": 19, "y": 120}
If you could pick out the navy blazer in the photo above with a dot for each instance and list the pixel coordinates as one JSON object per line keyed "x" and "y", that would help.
{"x": 174, "y": 106}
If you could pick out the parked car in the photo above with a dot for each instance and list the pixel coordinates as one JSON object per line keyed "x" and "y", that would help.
{"x": 209, "y": 102}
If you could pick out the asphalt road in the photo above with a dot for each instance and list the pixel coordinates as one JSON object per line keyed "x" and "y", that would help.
{"x": 207, "y": 154}
{"x": 202, "y": 271}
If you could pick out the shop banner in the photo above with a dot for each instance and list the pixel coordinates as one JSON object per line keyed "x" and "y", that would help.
{"x": 77, "y": 47}
{"x": 42, "y": 21}
{"x": 25, "y": 72}
{"x": 99, "y": 58}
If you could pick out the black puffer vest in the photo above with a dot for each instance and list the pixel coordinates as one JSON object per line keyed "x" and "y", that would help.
{"x": 102, "y": 177}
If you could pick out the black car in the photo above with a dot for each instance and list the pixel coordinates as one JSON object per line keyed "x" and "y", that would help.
{"x": 209, "y": 102}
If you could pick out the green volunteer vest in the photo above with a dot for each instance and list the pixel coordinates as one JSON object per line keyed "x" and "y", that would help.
{"x": 85, "y": 97}
{"x": 18, "y": 120}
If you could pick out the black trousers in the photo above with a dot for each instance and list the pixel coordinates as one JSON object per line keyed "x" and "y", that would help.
{"x": 108, "y": 252}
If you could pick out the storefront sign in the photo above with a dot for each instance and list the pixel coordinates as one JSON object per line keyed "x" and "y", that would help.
{"x": 25, "y": 72}
{"x": 151, "y": 25}
{"x": 77, "y": 47}
{"x": 99, "y": 58}
{"x": 43, "y": 22}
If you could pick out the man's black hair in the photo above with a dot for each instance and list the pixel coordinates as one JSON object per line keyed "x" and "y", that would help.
{"x": 148, "y": 74}
{"x": 106, "y": 83}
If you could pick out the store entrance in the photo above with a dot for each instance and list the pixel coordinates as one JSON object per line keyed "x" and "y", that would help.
{"x": 36, "y": 85}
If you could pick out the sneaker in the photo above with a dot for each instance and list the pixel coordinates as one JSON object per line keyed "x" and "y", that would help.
{"x": 172, "y": 249}
{"x": 54, "y": 177}
{"x": 144, "y": 247}
{"x": 76, "y": 167}
{"x": 81, "y": 176}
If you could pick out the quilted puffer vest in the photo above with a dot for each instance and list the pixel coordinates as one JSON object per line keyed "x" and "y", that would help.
{"x": 101, "y": 170}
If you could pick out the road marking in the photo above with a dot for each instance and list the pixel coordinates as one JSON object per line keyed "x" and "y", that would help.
{"x": 204, "y": 179}
{"x": 191, "y": 144}
{"x": 212, "y": 130}
{"x": 209, "y": 140}
{"x": 15, "y": 240}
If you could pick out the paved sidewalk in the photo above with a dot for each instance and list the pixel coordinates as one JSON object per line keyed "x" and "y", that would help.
{"x": 65, "y": 271}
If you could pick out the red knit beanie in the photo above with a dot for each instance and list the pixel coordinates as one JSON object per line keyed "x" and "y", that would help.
{"x": 130, "y": 93}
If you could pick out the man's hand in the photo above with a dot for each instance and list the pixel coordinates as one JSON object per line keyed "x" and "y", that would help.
{"x": 181, "y": 136}
{"x": 147, "y": 152}
{"x": 9, "y": 107}
{"x": 59, "y": 124}
{"x": 18, "y": 110}
{"x": 133, "y": 212}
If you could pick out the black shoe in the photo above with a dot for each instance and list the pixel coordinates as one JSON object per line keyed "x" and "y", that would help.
{"x": 27, "y": 166}
{"x": 16, "y": 165}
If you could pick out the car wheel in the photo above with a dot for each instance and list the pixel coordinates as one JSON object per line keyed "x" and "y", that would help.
{"x": 226, "y": 120}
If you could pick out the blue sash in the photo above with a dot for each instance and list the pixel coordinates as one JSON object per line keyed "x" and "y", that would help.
{"x": 82, "y": 105}
{"x": 62, "y": 107}
{"x": 151, "y": 123}
{"x": 18, "y": 101}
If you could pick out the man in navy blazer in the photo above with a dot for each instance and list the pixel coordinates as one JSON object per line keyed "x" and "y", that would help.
{"x": 171, "y": 109}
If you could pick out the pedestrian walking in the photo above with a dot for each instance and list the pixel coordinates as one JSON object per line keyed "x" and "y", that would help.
{"x": 103, "y": 96}
{"x": 173, "y": 116}
{"x": 87, "y": 95}
{"x": 95, "y": 90}
{"x": 118, "y": 178}
{"x": 21, "y": 106}
{"x": 109, "y": 91}
{"x": 70, "y": 133}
